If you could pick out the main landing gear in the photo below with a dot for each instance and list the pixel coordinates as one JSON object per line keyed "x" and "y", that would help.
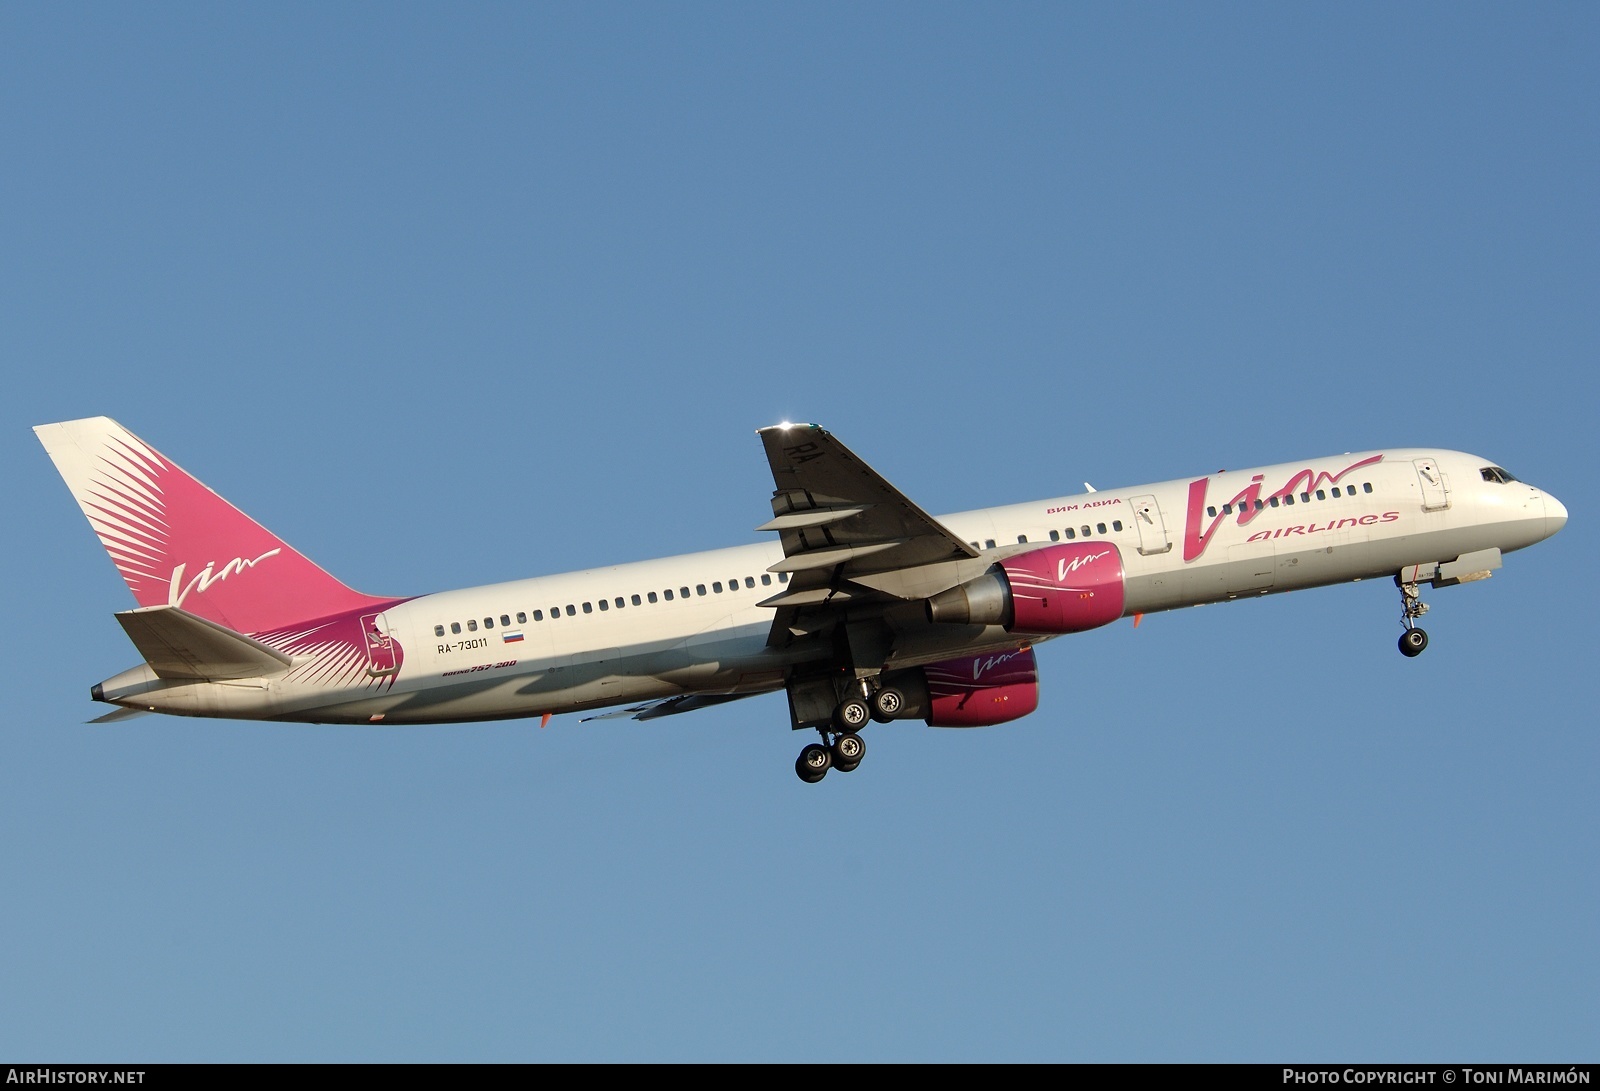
{"x": 842, "y": 747}
{"x": 843, "y": 752}
{"x": 1413, "y": 640}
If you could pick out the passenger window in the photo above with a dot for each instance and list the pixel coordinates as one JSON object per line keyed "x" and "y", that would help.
{"x": 488, "y": 623}
{"x": 1101, "y": 527}
{"x": 1227, "y": 509}
{"x": 1022, "y": 539}
{"x": 588, "y": 608}
{"x": 636, "y": 600}
{"x": 1055, "y": 536}
{"x": 538, "y": 615}
{"x": 505, "y": 621}
{"x": 651, "y": 597}
{"x": 1366, "y": 486}
{"x": 1071, "y": 534}
{"x": 1259, "y": 505}
{"x": 749, "y": 581}
{"x": 1116, "y": 524}
{"x": 1086, "y": 531}
{"x": 472, "y": 626}
{"x": 700, "y": 589}
{"x": 1305, "y": 498}
{"x": 683, "y": 592}
{"x": 717, "y": 586}
{"x": 1273, "y": 500}
{"x": 988, "y": 543}
{"x": 766, "y": 580}
{"x": 1288, "y": 499}
{"x": 668, "y": 593}
{"x": 572, "y": 611}
{"x": 1321, "y": 495}
{"x": 438, "y": 630}
{"x": 1212, "y": 511}
{"x": 522, "y": 618}
{"x": 783, "y": 577}
{"x": 455, "y": 627}
{"x": 1336, "y": 493}
{"x": 604, "y": 606}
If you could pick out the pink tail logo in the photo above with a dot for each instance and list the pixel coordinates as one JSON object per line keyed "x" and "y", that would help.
{"x": 177, "y": 590}
{"x": 177, "y": 543}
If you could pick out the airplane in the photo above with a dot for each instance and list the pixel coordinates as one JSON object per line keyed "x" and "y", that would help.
{"x": 862, "y": 608}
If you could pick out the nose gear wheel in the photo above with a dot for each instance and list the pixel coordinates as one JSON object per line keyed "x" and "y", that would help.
{"x": 1413, "y": 640}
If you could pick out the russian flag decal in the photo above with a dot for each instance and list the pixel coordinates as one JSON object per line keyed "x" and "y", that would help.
{"x": 511, "y": 636}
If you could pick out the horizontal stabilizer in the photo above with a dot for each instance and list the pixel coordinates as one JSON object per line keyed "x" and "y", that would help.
{"x": 118, "y": 715}
{"x": 181, "y": 647}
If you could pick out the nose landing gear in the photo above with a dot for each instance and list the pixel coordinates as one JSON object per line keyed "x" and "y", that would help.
{"x": 1413, "y": 640}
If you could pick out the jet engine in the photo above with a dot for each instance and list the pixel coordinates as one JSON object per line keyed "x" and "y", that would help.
{"x": 981, "y": 690}
{"x": 1057, "y": 589}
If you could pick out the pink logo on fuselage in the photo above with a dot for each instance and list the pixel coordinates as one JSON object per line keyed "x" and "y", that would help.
{"x": 1195, "y": 540}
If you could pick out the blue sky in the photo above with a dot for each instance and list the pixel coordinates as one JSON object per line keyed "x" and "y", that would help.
{"x": 447, "y": 296}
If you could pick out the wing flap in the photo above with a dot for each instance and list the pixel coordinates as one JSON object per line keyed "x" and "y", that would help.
{"x": 827, "y": 501}
{"x": 814, "y": 517}
{"x": 828, "y": 558}
{"x": 847, "y": 534}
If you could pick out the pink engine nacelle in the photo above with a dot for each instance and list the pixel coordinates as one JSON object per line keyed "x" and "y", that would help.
{"x": 981, "y": 690}
{"x": 1054, "y": 589}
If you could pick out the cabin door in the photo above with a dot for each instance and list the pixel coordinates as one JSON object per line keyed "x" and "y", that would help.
{"x": 1152, "y": 528}
{"x": 1435, "y": 490}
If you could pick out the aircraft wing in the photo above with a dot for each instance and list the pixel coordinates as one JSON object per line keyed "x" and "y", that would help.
{"x": 847, "y": 533}
{"x": 669, "y": 706}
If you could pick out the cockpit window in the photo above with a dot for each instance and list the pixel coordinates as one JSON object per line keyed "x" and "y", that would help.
{"x": 1497, "y": 475}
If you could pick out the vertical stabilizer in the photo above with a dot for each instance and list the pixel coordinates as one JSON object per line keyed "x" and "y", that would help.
{"x": 177, "y": 543}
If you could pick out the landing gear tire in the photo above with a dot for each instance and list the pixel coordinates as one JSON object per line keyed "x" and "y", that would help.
{"x": 852, "y": 714}
{"x": 848, "y": 750}
{"x": 1412, "y": 641}
{"x": 813, "y": 763}
{"x": 887, "y": 703}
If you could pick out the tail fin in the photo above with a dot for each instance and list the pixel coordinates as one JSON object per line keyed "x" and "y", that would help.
{"x": 177, "y": 543}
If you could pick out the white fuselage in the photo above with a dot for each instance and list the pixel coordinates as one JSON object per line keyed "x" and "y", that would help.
{"x": 609, "y": 636}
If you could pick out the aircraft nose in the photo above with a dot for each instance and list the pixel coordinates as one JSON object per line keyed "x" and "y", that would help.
{"x": 1555, "y": 515}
